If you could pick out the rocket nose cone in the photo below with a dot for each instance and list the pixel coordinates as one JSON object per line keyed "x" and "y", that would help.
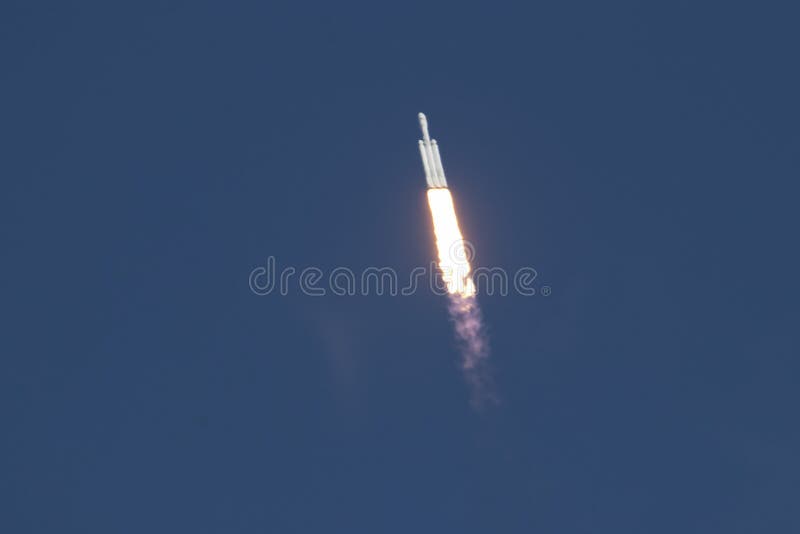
{"x": 421, "y": 116}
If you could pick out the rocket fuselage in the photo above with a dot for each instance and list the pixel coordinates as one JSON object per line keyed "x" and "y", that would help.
{"x": 431, "y": 159}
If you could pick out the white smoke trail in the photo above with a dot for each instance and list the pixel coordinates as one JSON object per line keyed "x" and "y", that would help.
{"x": 454, "y": 258}
{"x": 474, "y": 345}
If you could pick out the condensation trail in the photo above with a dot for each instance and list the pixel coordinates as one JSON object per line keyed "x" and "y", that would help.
{"x": 474, "y": 345}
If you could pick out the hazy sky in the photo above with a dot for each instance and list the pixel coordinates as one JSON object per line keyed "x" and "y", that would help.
{"x": 644, "y": 160}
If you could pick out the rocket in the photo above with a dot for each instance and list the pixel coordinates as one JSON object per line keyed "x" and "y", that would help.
{"x": 431, "y": 160}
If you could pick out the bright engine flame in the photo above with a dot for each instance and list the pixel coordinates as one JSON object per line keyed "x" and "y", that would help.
{"x": 454, "y": 257}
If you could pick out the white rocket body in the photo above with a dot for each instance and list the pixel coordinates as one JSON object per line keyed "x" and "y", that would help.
{"x": 431, "y": 159}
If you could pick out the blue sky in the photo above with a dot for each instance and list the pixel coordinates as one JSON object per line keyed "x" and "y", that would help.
{"x": 642, "y": 158}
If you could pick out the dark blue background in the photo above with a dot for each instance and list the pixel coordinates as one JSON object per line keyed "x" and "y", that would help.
{"x": 643, "y": 159}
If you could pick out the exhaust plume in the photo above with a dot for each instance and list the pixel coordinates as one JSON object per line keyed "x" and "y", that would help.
{"x": 454, "y": 263}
